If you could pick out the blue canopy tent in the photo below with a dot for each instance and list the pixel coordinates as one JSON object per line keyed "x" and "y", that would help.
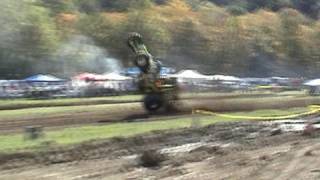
{"x": 44, "y": 85}
{"x": 134, "y": 71}
{"x": 131, "y": 71}
{"x": 166, "y": 70}
{"x": 43, "y": 78}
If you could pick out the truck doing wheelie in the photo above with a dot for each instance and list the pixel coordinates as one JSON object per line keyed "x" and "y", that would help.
{"x": 160, "y": 92}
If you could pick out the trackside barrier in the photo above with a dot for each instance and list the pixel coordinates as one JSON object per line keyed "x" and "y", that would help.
{"x": 314, "y": 109}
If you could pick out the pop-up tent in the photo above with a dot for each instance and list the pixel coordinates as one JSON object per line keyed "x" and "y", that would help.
{"x": 313, "y": 82}
{"x": 165, "y": 71}
{"x": 88, "y": 77}
{"x": 134, "y": 71}
{"x": 100, "y": 77}
{"x": 114, "y": 76}
{"x": 314, "y": 86}
{"x": 224, "y": 78}
{"x": 190, "y": 74}
{"x": 43, "y": 78}
{"x": 131, "y": 71}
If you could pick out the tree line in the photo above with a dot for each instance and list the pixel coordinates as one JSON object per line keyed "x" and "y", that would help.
{"x": 244, "y": 38}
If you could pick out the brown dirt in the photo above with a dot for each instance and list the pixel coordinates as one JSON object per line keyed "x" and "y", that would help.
{"x": 244, "y": 150}
{"x": 134, "y": 112}
{"x": 69, "y": 119}
{"x": 108, "y": 101}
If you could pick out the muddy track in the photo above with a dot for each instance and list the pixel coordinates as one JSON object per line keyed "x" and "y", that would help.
{"x": 244, "y": 150}
{"x": 115, "y": 147}
{"x": 97, "y": 102}
{"x": 125, "y": 113}
{"x": 131, "y": 112}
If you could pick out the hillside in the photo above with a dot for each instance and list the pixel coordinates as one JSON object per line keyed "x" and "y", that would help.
{"x": 239, "y": 37}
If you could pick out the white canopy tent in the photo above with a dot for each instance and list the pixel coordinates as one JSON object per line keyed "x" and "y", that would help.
{"x": 119, "y": 82}
{"x": 116, "y": 77}
{"x": 109, "y": 80}
{"x": 190, "y": 74}
{"x": 224, "y": 78}
{"x": 313, "y": 82}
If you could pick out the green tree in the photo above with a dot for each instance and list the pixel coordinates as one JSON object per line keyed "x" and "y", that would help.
{"x": 290, "y": 35}
{"x": 58, "y": 6}
{"x": 309, "y": 7}
{"x": 125, "y": 5}
{"x": 91, "y": 6}
{"x": 97, "y": 27}
{"x": 154, "y": 32}
{"x": 28, "y": 36}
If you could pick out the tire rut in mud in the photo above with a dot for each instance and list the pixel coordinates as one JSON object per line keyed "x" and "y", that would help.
{"x": 232, "y": 133}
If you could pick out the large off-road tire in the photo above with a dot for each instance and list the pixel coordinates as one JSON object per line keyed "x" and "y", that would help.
{"x": 142, "y": 61}
{"x": 153, "y": 102}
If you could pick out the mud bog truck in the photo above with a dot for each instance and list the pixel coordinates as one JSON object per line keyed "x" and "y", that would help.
{"x": 160, "y": 92}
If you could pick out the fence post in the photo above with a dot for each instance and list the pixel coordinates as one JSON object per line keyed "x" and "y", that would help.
{"x": 33, "y": 132}
{"x": 195, "y": 121}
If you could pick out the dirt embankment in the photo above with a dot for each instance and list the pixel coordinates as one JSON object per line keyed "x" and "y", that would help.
{"x": 228, "y": 150}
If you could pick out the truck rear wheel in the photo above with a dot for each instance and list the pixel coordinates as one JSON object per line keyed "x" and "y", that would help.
{"x": 153, "y": 102}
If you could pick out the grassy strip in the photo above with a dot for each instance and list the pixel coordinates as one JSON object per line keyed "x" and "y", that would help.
{"x": 67, "y": 136}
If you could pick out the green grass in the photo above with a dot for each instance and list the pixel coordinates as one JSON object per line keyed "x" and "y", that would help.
{"x": 75, "y": 135}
